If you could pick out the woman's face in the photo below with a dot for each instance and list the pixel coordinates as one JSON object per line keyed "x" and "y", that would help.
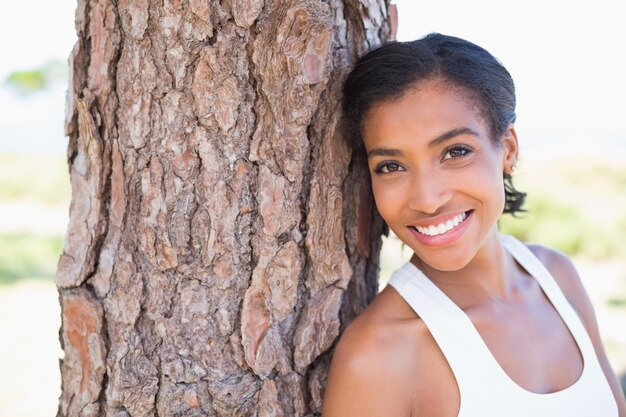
{"x": 436, "y": 175}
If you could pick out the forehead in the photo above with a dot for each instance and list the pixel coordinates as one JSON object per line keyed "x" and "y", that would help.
{"x": 422, "y": 113}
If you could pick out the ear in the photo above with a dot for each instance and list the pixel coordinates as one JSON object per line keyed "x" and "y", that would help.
{"x": 510, "y": 149}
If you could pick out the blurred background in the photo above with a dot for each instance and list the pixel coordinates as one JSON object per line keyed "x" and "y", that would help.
{"x": 564, "y": 57}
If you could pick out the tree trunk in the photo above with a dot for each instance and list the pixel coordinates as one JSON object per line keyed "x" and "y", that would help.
{"x": 219, "y": 240}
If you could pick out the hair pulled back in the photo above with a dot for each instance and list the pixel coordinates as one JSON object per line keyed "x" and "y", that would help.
{"x": 389, "y": 71}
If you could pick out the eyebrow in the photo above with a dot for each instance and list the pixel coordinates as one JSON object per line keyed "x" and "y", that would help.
{"x": 433, "y": 143}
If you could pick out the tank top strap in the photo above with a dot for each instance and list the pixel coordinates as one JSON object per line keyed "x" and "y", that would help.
{"x": 527, "y": 259}
{"x": 469, "y": 358}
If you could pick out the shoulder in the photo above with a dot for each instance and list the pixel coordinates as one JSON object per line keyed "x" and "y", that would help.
{"x": 381, "y": 365}
{"x": 365, "y": 376}
{"x": 565, "y": 274}
{"x": 558, "y": 263}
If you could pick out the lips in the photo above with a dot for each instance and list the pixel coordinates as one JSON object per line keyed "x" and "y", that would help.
{"x": 443, "y": 227}
{"x": 443, "y": 230}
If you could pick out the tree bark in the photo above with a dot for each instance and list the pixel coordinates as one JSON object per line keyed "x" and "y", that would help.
{"x": 220, "y": 238}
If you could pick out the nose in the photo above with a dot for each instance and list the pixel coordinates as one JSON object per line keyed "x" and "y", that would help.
{"x": 429, "y": 192}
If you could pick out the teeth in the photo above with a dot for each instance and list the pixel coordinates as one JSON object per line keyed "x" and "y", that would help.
{"x": 443, "y": 227}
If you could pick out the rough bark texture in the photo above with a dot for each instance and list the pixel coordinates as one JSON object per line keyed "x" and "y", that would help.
{"x": 219, "y": 240}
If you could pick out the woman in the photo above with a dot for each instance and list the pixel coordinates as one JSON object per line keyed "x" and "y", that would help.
{"x": 477, "y": 323}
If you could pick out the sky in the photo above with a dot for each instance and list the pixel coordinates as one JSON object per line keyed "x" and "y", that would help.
{"x": 31, "y": 33}
{"x": 566, "y": 58}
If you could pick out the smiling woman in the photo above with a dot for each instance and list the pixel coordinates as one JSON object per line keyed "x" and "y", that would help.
{"x": 477, "y": 323}
{"x": 447, "y": 167}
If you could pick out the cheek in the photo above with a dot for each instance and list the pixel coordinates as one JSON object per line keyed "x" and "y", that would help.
{"x": 493, "y": 189}
{"x": 387, "y": 199}
{"x": 489, "y": 167}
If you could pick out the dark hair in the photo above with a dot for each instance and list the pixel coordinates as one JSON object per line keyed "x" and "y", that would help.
{"x": 387, "y": 72}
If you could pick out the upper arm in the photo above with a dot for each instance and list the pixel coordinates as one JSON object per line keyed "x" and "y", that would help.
{"x": 362, "y": 382}
{"x": 566, "y": 275}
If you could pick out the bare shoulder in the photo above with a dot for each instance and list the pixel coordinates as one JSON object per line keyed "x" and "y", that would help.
{"x": 366, "y": 376}
{"x": 564, "y": 272}
{"x": 380, "y": 364}
{"x": 554, "y": 260}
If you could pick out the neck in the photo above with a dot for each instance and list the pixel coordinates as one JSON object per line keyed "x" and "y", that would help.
{"x": 488, "y": 276}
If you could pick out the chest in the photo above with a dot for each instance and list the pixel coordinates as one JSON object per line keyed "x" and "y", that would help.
{"x": 532, "y": 344}
{"x": 529, "y": 341}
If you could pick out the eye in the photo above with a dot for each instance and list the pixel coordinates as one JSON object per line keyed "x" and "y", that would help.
{"x": 456, "y": 151}
{"x": 387, "y": 168}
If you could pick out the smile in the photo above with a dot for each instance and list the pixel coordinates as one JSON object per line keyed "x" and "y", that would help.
{"x": 435, "y": 230}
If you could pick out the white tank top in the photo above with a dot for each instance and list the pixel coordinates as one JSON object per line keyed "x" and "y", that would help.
{"x": 485, "y": 388}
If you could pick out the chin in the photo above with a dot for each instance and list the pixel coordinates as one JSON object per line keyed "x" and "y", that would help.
{"x": 445, "y": 266}
{"x": 445, "y": 262}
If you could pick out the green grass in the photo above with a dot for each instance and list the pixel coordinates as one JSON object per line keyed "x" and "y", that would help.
{"x": 25, "y": 255}
{"x": 44, "y": 179}
{"x": 613, "y": 176}
{"x": 28, "y": 81}
{"x": 580, "y": 210}
{"x": 41, "y": 180}
{"x": 617, "y": 302}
